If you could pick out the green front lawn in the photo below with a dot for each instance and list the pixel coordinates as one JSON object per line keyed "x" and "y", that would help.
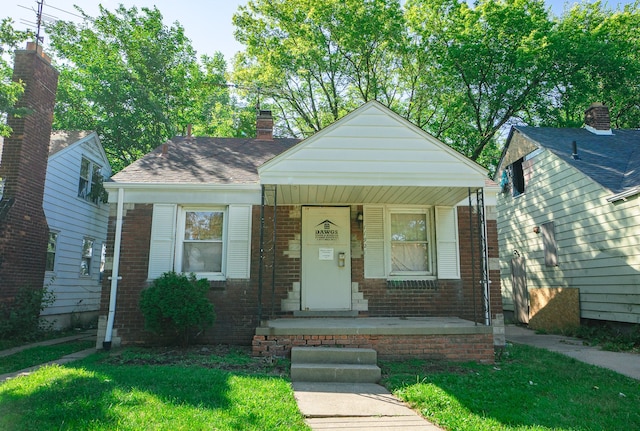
{"x": 529, "y": 389}
{"x": 130, "y": 393}
{"x": 213, "y": 389}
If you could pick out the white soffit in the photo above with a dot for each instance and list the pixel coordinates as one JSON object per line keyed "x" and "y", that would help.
{"x": 373, "y": 146}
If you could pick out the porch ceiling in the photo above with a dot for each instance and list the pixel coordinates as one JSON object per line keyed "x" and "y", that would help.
{"x": 352, "y": 195}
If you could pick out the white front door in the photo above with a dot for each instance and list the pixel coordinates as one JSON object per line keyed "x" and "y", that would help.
{"x": 326, "y": 259}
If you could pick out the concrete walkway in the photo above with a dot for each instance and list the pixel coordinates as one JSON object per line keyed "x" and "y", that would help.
{"x": 627, "y": 364}
{"x": 355, "y": 407}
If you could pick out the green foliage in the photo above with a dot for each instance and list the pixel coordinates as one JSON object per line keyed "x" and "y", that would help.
{"x": 597, "y": 59}
{"x": 137, "y": 82}
{"x": 609, "y": 337}
{"x": 10, "y": 91}
{"x": 316, "y": 60}
{"x": 19, "y": 320}
{"x": 463, "y": 71}
{"x": 177, "y": 305}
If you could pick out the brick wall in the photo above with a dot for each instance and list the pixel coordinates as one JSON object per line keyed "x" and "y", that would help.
{"x": 237, "y": 301}
{"x": 460, "y": 347}
{"x": 23, "y": 228}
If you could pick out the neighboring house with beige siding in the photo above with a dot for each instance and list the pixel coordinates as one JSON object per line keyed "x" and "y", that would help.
{"x": 569, "y": 217}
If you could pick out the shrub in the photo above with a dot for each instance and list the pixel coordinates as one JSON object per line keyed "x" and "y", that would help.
{"x": 176, "y": 305}
{"x": 20, "y": 319}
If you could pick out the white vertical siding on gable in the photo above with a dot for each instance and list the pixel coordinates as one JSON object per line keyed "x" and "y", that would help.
{"x": 374, "y": 259}
{"x": 448, "y": 255}
{"x": 239, "y": 241}
{"x": 162, "y": 244}
{"x": 74, "y": 219}
{"x": 598, "y": 243}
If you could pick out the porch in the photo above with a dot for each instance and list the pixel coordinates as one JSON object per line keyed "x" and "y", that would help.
{"x": 448, "y": 338}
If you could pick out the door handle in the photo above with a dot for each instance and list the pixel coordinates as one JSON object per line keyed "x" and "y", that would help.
{"x": 341, "y": 259}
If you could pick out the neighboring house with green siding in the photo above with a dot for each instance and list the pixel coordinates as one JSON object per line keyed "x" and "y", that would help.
{"x": 569, "y": 216}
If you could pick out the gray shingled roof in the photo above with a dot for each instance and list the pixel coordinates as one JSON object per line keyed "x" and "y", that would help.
{"x": 613, "y": 161}
{"x": 61, "y": 139}
{"x": 204, "y": 160}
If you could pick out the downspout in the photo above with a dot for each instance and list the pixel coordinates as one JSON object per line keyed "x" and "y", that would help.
{"x": 115, "y": 277}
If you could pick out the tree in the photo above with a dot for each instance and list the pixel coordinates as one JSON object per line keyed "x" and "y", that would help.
{"x": 136, "y": 81}
{"x": 460, "y": 72}
{"x": 597, "y": 56}
{"x": 315, "y": 60}
{"x": 485, "y": 65}
{"x": 10, "y": 91}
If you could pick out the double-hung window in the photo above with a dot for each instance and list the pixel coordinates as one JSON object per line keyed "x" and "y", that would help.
{"x": 201, "y": 241}
{"x": 410, "y": 242}
{"x": 51, "y": 251}
{"x": 89, "y": 173}
{"x": 214, "y": 242}
{"x": 87, "y": 255}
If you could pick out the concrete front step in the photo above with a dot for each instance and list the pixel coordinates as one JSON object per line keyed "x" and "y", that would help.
{"x": 333, "y": 355}
{"x": 330, "y": 364}
{"x": 342, "y": 373}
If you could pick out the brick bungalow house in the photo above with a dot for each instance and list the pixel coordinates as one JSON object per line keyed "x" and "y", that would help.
{"x": 369, "y": 233}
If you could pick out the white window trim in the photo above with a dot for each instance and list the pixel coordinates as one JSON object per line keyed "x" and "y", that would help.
{"x": 92, "y": 167}
{"x": 180, "y": 225}
{"x": 92, "y": 258}
{"x": 55, "y": 255}
{"x": 410, "y": 275}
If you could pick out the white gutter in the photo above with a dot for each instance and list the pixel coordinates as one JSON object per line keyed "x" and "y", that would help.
{"x": 115, "y": 277}
{"x": 624, "y": 195}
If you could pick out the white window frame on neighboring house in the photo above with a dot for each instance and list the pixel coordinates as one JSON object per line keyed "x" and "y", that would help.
{"x": 52, "y": 244}
{"x": 86, "y": 257}
{"x": 88, "y": 169}
{"x": 184, "y": 242}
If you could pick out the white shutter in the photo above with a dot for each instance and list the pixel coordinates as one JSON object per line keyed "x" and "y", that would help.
{"x": 374, "y": 263}
{"x": 239, "y": 241}
{"x": 163, "y": 236}
{"x": 447, "y": 252}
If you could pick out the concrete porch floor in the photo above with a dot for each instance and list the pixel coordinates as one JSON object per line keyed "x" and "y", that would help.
{"x": 372, "y": 326}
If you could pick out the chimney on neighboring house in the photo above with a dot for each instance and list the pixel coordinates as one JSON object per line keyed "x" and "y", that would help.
{"x": 264, "y": 126}
{"x": 597, "y": 119}
{"x": 24, "y": 232}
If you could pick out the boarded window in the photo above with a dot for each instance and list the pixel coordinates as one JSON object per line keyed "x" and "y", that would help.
{"x": 549, "y": 244}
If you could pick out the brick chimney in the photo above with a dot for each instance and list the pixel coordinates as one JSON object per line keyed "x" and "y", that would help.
{"x": 23, "y": 227}
{"x": 597, "y": 119}
{"x": 264, "y": 126}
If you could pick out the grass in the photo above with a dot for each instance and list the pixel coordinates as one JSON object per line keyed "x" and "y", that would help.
{"x": 529, "y": 389}
{"x": 40, "y": 336}
{"x": 136, "y": 391}
{"x": 40, "y": 355}
{"x": 216, "y": 388}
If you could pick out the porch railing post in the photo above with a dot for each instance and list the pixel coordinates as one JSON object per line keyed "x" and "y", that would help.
{"x": 273, "y": 257}
{"x": 261, "y": 264}
{"x": 484, "y": 255}
{"x": 473, "y": 260}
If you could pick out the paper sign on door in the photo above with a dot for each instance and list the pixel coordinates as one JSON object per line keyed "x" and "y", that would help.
{"x": 325, "y": 254}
